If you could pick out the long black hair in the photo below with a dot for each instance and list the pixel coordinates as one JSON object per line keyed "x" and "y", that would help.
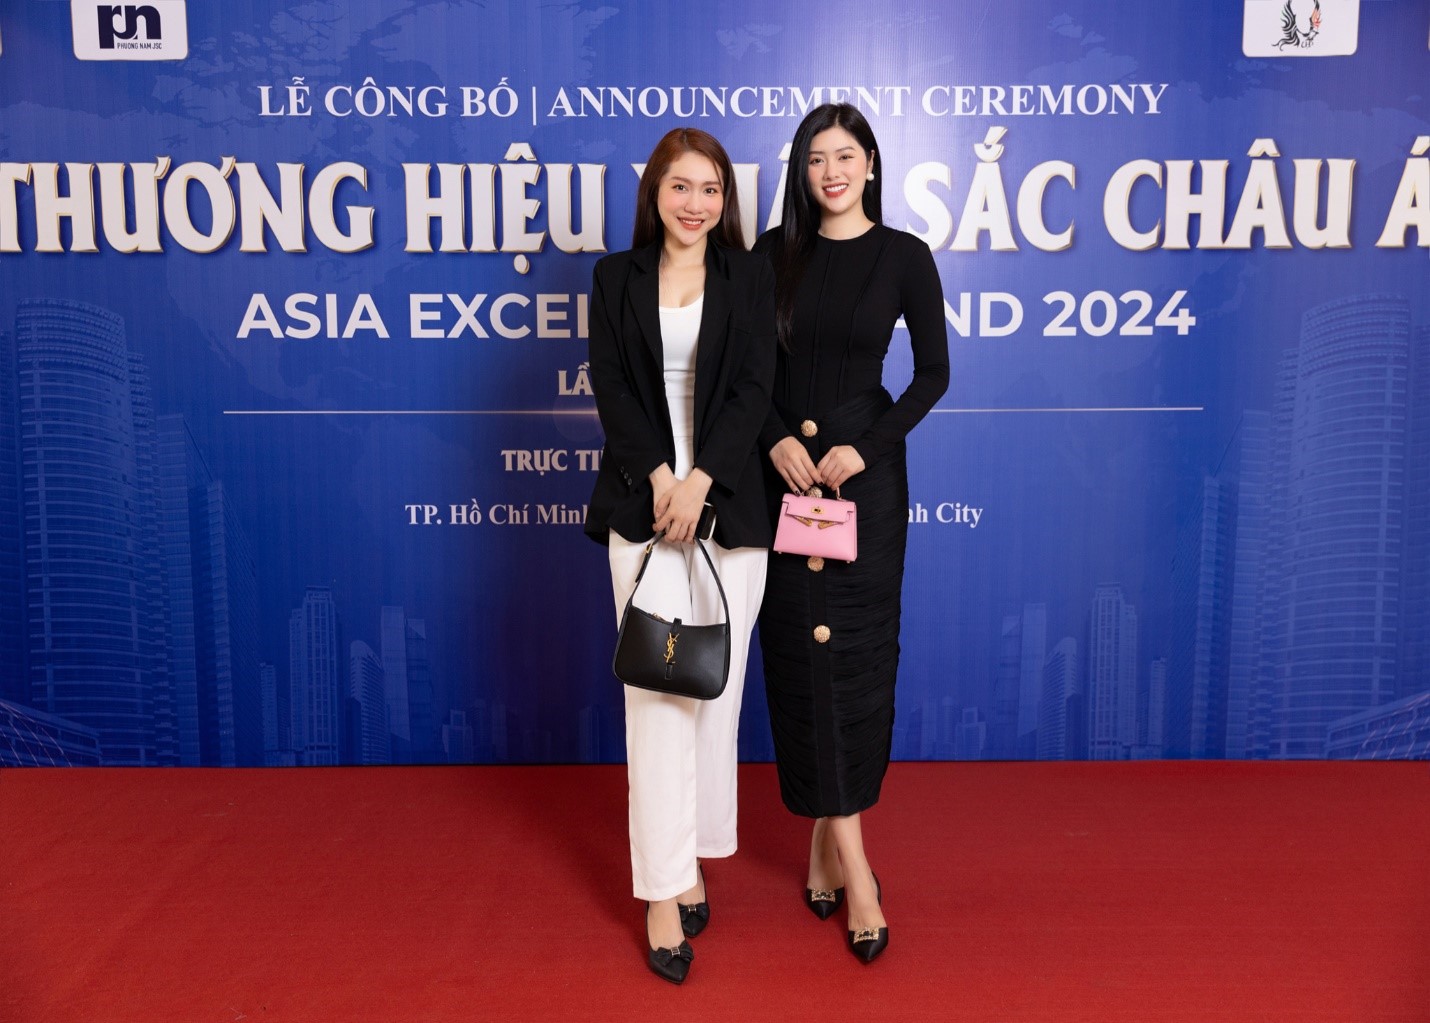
{"x": 801, "y": 218}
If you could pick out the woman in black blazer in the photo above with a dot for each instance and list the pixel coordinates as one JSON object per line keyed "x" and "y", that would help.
{"x": 682, "y": 355}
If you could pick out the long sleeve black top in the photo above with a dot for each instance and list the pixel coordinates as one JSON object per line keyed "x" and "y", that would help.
{"x": 852, "y": 293}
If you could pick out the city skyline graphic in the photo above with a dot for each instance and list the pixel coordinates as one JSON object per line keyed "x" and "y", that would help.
{"x": 1298, "y": 594}
{"x": 1180, "y": 510}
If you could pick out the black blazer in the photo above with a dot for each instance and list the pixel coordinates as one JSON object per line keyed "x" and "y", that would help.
{"x": 734, "y": 375}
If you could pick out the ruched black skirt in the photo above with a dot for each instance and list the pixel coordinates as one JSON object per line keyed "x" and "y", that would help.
{"x": 832, "y": 703}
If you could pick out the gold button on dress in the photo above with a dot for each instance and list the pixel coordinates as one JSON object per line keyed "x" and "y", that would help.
{"x": 821, "y": 633}
{"x": 808, "y": 428}
{"x": 816, "y": 564}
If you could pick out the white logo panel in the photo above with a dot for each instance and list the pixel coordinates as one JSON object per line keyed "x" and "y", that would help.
{"x": 1300, "y": 28}
{"x": 143, "y": 30}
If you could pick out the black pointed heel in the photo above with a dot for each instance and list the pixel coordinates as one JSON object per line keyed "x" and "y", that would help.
{"x": 868, "y": 943}
{"x": 672, "y": 964}
{"x": 694, "y": 918}
{"x": 822, "y": 902}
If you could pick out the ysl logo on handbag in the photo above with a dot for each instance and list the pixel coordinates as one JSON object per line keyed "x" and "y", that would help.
{"x": 670, "y": 653}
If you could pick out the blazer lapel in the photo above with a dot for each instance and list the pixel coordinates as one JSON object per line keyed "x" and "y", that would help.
{"x": 714, "y": 318}
{"x": 645, "y": 299}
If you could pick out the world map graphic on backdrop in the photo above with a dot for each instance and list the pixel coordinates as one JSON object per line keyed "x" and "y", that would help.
{"x": 296, "y": 430}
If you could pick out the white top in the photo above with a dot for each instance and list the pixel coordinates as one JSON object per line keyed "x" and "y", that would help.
{"x": 679, "y": 330}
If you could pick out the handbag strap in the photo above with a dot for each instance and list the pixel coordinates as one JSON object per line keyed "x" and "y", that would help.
{"x": 649, "y": 549}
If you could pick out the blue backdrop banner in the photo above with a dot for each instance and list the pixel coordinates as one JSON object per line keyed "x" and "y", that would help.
{"x": 296, "y": 429}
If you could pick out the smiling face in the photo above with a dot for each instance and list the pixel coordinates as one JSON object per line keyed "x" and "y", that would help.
{"x": 838, "y": 167}
{"x": 690, "y": 200}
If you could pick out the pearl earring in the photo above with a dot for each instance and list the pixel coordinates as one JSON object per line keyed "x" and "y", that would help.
{"x": 870, "y": 177}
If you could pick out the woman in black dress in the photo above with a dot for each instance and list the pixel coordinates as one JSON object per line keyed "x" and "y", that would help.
{"x": 830, "y": 630}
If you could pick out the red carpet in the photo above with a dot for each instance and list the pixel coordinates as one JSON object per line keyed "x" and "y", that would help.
{"x": 1139, "y": 892}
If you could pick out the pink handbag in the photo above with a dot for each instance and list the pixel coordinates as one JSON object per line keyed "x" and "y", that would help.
{"x": 817, "y": 526}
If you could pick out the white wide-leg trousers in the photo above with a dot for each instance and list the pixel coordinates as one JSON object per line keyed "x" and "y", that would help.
{"x": 680, "y": 752}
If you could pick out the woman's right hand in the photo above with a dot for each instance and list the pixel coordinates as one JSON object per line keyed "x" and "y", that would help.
{"x": 792, "y": 462}
{"x": 662, "y": 482}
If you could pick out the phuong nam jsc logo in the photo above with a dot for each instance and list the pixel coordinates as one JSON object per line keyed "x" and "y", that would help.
{"x": 149, "y": 30}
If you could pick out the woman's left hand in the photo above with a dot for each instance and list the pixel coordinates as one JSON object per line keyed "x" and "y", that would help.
{"x": 839, "y": 464}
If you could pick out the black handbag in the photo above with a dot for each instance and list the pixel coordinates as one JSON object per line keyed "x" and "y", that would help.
{"x": 673, "y": 657}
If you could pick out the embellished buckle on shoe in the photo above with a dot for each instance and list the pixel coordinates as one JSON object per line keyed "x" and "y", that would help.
{"x": 866, "y": 934}
{"x": 823, "y": 895}
{"x": 681, "y": 951}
